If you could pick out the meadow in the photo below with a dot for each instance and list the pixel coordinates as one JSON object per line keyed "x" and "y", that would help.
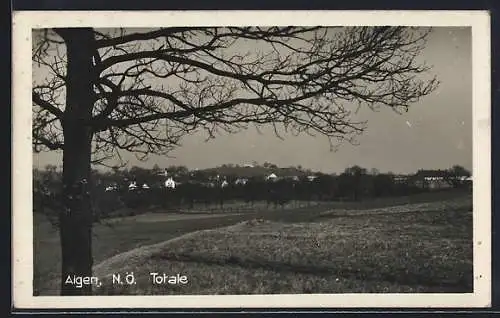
{"x": 421, "y": 243}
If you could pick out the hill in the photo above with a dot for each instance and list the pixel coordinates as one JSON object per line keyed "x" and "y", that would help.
{"x": 258, "y": 171}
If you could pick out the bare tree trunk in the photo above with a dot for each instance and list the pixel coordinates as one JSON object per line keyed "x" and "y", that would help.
{"x": 76, "y": 218}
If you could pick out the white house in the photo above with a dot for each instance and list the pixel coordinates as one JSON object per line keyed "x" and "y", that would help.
{"x": 437, "y": 182}
{"x": 272, "y": 177}
{"x": 241, "y": 181}
{"x": 111, "y": 188}
{"x": 432, "y": 179}
{"x": 132, "y": 186}
{"x": 400, "y": 179}
{"x": 145, "y": 186}
{"x": 465, "y": 178}
{"x": 311, "y": 178}
{"x": 170, "y": 183}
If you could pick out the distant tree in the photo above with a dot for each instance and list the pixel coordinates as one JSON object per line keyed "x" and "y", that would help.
{"x": 178, "y": 171}
{"x": 156, "y": 170}
{"x": 460, "y": 171}
{"x": 47, "y": 185}
{"x": 455, "y": 175}
{"x": 355, "y": 174}
{"x": 116, "y": 170}
{"x": 325, "y": 185}
{"x": 383, "y": 185}
{"x": 183, "y": 170}
{"x": 140, "y": 174}
{"x": 51, "y": 169}
{"x": 113, "y": 90}
{"x": 355, "y": 171}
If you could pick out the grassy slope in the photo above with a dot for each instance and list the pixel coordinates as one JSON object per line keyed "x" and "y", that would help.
{"x": 401, "y": 252}
{"x": 108, "y": 241}
{"x": 124, "y": 236}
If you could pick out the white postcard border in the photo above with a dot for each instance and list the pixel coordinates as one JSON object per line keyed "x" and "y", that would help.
{"x": 22, "y": 226}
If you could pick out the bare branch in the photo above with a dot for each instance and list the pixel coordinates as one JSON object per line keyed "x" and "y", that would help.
{"x": 164, "y": 32}
{"x": 152, "y": 88}
{"x": 47, "y": 106}
{"x": 40, "y": 140}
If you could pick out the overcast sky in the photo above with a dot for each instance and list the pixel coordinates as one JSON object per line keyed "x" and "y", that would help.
{"x": 436, "y": 133}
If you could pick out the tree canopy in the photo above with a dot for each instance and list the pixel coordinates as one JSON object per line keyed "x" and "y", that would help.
{"x": 152, "y": 87}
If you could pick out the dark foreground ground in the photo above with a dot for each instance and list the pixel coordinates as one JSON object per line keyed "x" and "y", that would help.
{"x": 424, "y": 244}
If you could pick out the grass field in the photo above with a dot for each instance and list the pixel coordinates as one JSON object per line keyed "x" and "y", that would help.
{"x": 425, "y": 246}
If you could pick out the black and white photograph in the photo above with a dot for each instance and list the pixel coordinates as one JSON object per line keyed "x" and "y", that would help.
{"x": 276, "y": 157}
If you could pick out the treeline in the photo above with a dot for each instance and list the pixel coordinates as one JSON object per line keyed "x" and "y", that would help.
{"x": 203, "y": 187}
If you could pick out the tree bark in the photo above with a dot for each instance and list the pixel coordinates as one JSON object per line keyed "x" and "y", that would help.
{"x": 76, "y": 218}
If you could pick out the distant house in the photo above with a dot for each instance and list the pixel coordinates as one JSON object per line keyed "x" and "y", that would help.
{"x": 111, "y": 188}
{"x": 132, "y": 186}
{"x": 293, "y": 178}
{"x": 163, "y": 173}
{"x": 170, "y": 183}
{"x": 462, "y": 181}
{"x": 467, "y": 181}
{"x": 311, "y": 178}
{"x": 241, "y": 181}
{"x": 145, "y": 186}
{"x": 432, "y": 179}
{"x": 272, "y": 177}
{"x": 247, "y": 165}
{"x": 213, "y": 178}
{"x": 209, "y": 184}
{"x": 400, "y": 179}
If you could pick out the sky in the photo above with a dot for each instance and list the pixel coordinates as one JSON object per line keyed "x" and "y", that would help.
{"x": 436, "y": 132}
